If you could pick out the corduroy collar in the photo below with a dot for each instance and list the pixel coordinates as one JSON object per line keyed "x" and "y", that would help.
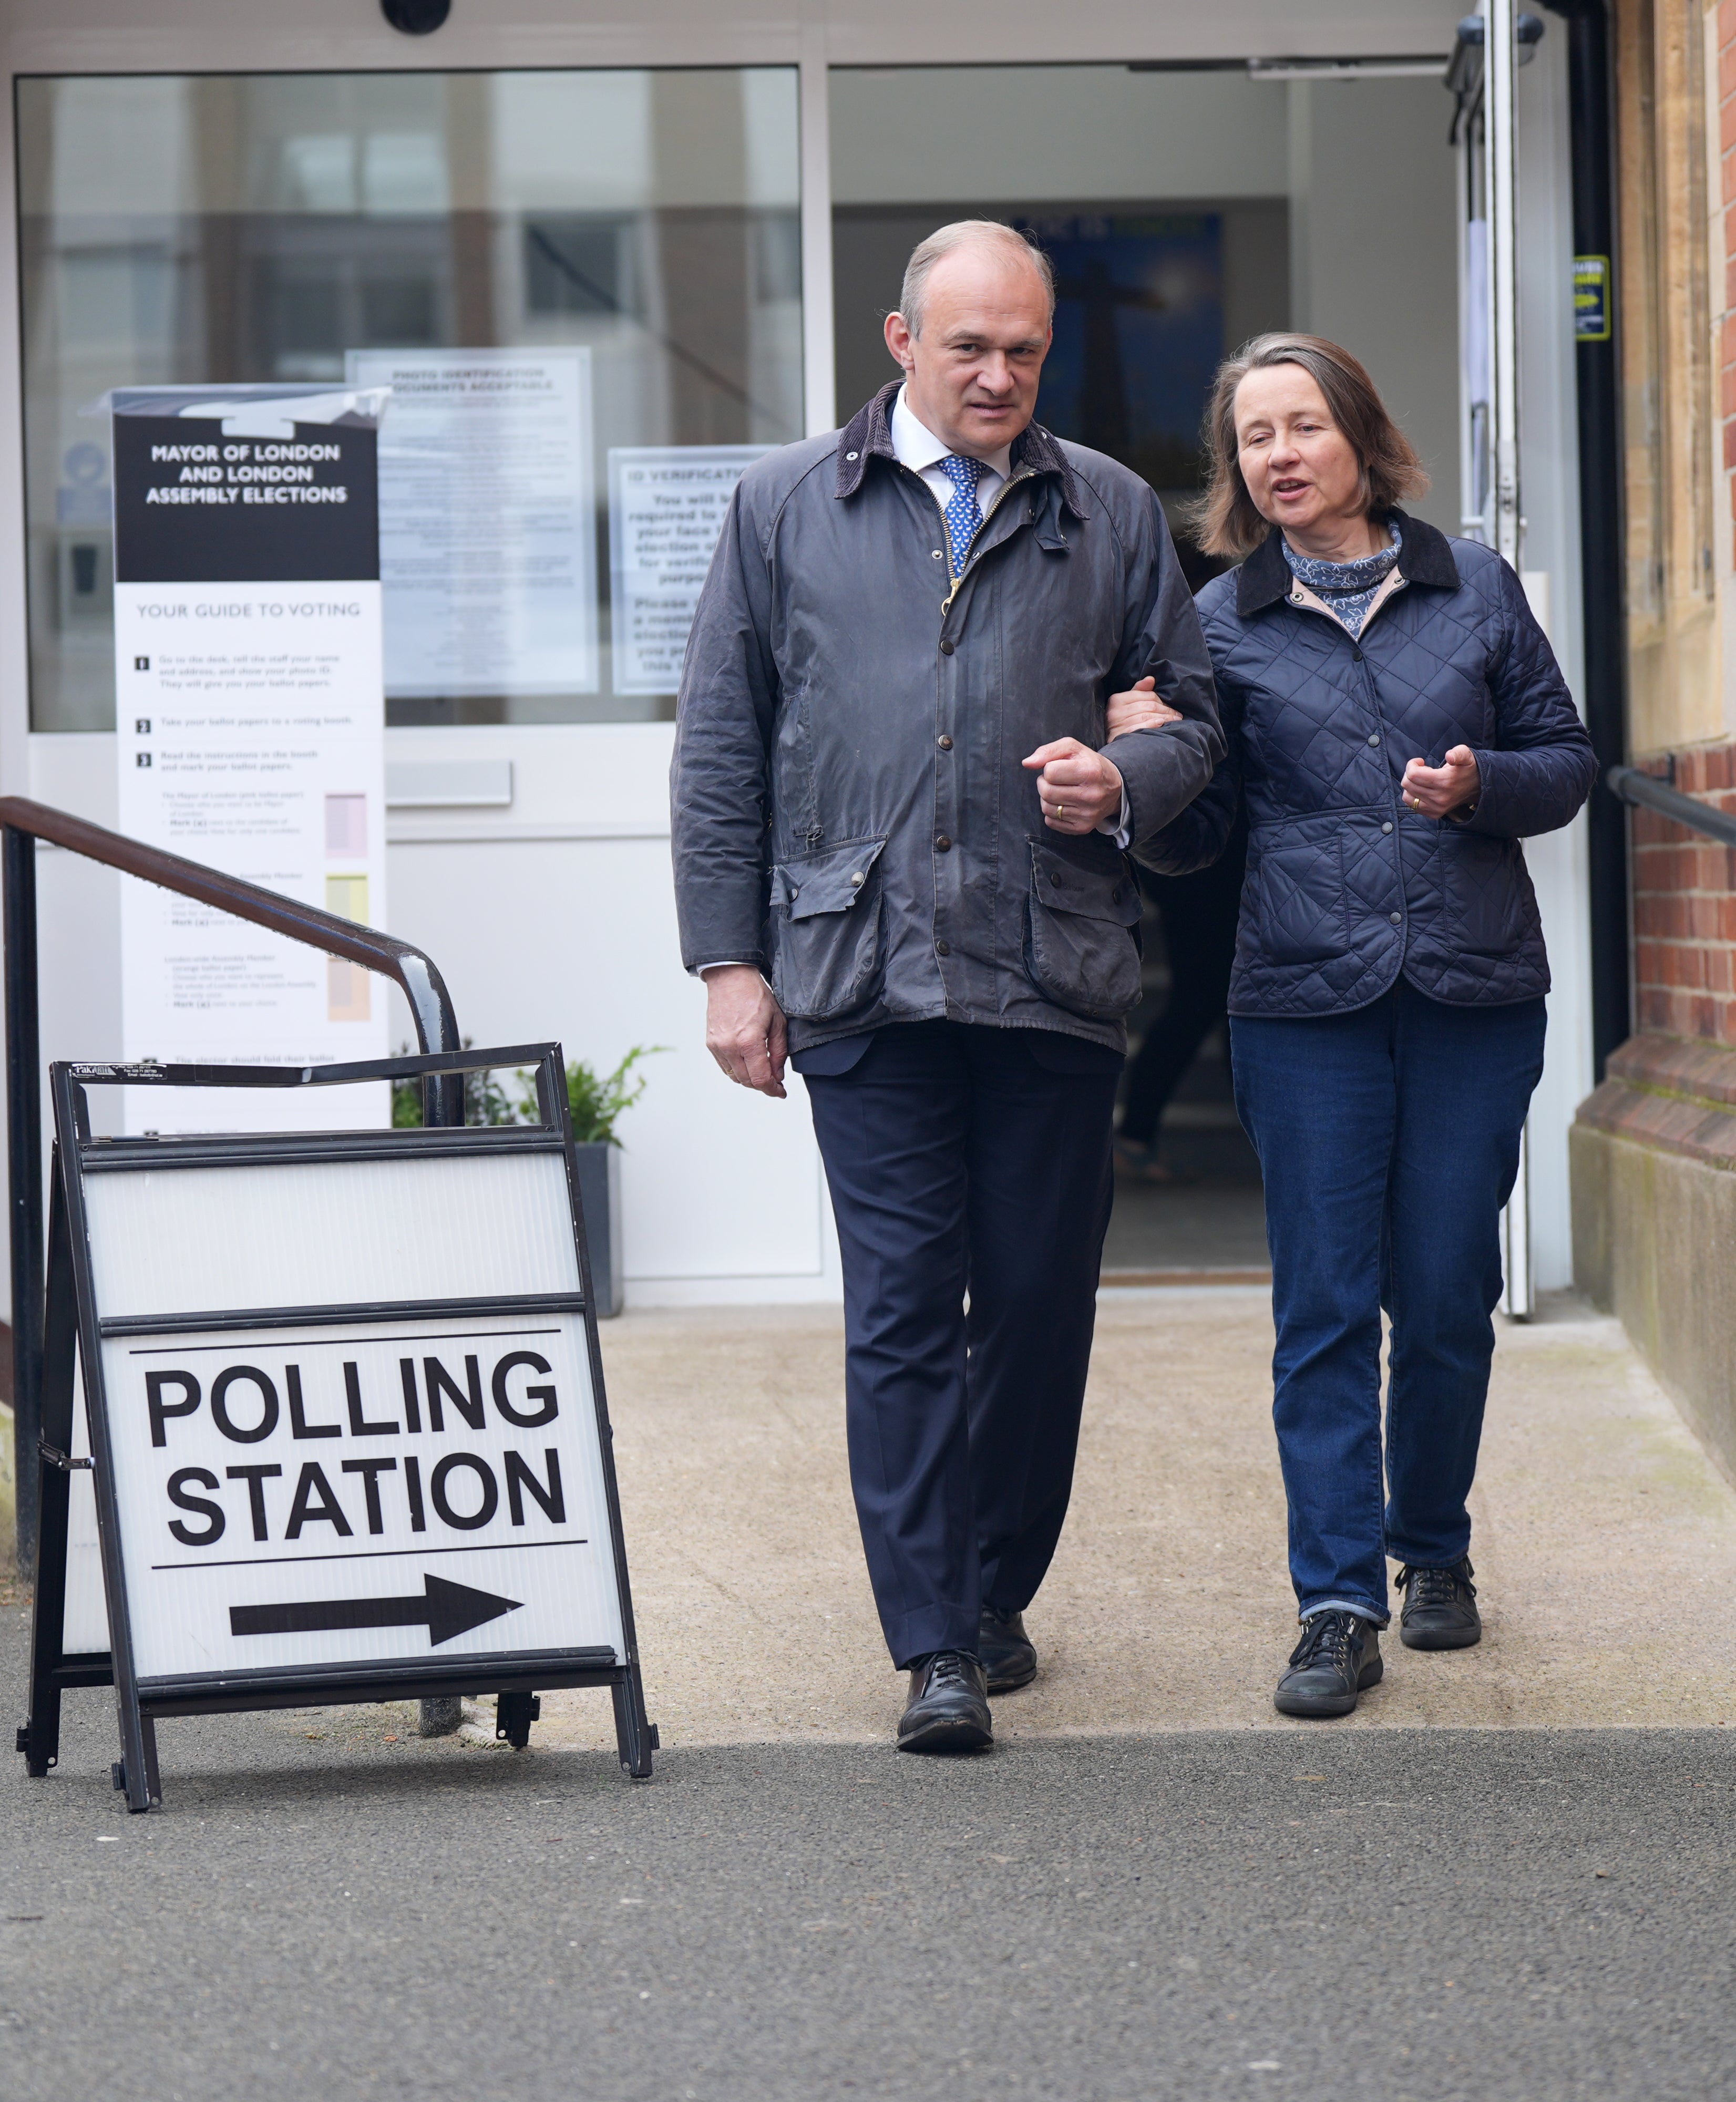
{"x": 869, "y": 436}
{"x": 1425, "y": 556}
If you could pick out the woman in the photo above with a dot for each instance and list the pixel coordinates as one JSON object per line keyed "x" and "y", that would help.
{"x": 1396, "y": 722}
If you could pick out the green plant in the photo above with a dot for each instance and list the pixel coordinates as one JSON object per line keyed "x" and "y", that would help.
{"x": 596, "y": 1102}
{"x": 406, "y": 1100}
{"x": 486, "y": 1102}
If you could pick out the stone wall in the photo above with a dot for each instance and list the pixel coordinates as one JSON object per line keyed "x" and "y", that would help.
{"x": 1654, "y": 1159}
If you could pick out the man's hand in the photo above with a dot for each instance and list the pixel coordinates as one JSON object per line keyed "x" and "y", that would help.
{"x": 1436, "y": 792}
{"x": 744, "y": 1027}
{"x": 1077, "y": 787}
{"x": 1142, "y": 708}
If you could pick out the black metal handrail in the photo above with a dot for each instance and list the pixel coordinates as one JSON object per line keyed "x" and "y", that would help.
{"x": 22, "y": 823}
{"x": 1645, "y": 789}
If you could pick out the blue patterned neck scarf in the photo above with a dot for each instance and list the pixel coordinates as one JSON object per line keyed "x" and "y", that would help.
{"x": 1348, "y": 588}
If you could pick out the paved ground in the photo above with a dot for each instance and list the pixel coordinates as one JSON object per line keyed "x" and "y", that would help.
{"x": 1153, "y": 1888}
{"x": 1405, "y": 1916}
{"x": 1605, "y": 1544}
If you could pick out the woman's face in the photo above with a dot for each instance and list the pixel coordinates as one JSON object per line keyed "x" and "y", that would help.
{"x": 1300, "y": 468}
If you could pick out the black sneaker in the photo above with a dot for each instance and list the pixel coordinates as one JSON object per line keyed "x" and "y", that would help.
{"x": 1439, "y": 1608}
{"x": 948, "y": 1708}
{"x": 1008, "y": 1653}
{"x": 1338, "y": 1657}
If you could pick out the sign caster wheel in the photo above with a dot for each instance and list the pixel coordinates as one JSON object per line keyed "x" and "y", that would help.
{"x": 117, "y": 1775}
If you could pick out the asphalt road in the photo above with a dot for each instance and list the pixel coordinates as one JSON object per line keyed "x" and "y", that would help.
{"x": 319, "y": 1911}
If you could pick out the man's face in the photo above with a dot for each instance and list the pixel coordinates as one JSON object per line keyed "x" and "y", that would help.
{"x": 971, "y": 376}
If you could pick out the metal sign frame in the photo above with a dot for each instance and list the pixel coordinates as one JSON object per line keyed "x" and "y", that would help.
{"x": 75, "y": 1330}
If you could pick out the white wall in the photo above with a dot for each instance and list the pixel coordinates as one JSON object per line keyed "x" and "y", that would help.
{"x": 557, "y": 920}
{"x": 1033, "y": 134}
{"x": 1374, "y": 256}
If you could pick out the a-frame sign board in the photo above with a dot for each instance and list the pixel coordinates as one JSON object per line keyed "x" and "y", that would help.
{"x": 346, "y": 1425}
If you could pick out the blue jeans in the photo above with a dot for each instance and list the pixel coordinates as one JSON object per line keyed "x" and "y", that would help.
{"x": 1389, "y": 1141}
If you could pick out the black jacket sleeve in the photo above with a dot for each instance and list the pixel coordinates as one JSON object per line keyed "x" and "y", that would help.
{"x": 1196, "y": 837}
{"x": 719, "y": 787}
{"x": 1163, "y": 769}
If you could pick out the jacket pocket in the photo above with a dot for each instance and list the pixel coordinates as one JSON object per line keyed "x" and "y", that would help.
{"x": 1080, "y": 951}
{"x": 1492, "y": 907}
{"x": 1295, "y": 900}
{"x": 825, "y": 919}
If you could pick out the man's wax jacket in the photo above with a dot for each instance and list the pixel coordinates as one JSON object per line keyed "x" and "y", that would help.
{"x": 849, "y": 810}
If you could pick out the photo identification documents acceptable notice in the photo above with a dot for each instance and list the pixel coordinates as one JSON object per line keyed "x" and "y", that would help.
{"x": 487, "y": 530}
{"x": 250, "y": 722}
{"x": 355, "y": 1488}
{"x": 667, "y": 506}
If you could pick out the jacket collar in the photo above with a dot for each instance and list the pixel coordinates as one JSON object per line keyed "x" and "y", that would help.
{"x": 869, "y": 436}
{"x": 1425, "y": 556}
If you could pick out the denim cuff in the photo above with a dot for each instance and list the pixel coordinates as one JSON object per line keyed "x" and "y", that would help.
{"x": 1359, "y": 1606}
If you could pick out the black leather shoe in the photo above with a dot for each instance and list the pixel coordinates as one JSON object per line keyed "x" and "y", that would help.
{"x": 1439, "y": 1609}
{"x": 1008, "y": 1653}
{"x": 949, "y": 1709}
{"x": 1339, "y": 1656}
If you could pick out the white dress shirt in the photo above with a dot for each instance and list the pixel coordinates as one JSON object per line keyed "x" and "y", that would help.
{"x": 920, "y": 450}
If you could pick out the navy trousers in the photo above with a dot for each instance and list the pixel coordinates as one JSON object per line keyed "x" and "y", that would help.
{"x": 1388, "y": 1139}
{"x": 963, "y": 1162}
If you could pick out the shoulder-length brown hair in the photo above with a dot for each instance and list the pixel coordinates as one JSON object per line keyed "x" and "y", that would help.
{"x": 1224, "y": 520}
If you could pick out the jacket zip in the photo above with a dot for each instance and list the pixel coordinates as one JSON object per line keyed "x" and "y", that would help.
{"x": 1306, "y": 602}
{"x": 1019, "y": 474}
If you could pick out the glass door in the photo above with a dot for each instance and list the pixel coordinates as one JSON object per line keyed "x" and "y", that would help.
{"x": 630, "y": 236}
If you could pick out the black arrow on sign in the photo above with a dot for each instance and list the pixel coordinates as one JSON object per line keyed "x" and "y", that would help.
{"x": 445, "y": 1609}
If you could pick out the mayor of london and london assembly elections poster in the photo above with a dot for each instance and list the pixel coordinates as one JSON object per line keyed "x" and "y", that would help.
{"x": 250, "y": 713}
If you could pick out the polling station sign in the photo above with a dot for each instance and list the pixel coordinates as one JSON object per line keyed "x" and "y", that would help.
{"x": 347, "y": 1426}
{"x": 278, "y": 1493}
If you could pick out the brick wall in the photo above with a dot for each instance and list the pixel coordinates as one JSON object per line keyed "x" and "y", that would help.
{"x": 1684, "y": 884}
{"x": 1685, "y": 909}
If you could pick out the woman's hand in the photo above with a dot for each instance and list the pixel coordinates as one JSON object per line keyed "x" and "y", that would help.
{"x": 1436, "y": 792}
{"x": 1140, "y": 709}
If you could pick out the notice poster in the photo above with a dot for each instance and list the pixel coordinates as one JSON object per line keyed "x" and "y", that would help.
{"x": 250, "y": 724}
{"x": 667, "y": 506}
{"x": 487, "y": 535}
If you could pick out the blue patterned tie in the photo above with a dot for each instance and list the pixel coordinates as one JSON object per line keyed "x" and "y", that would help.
{"x": 964, "y": 514}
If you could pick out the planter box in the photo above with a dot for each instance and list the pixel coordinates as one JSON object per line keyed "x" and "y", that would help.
{"x": 600, "y": 1200}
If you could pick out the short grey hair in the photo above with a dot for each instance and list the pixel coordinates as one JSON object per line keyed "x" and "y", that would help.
{"x": 964, "y": 234}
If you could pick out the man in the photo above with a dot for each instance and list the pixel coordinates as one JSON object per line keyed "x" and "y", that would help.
{"x": 887, "y": 799}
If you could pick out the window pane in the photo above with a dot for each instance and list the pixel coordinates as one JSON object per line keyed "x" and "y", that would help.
{"x": 227, "y": 228}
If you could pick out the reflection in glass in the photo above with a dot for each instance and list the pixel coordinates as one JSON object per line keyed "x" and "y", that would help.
{"x": 226, "y": 228}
